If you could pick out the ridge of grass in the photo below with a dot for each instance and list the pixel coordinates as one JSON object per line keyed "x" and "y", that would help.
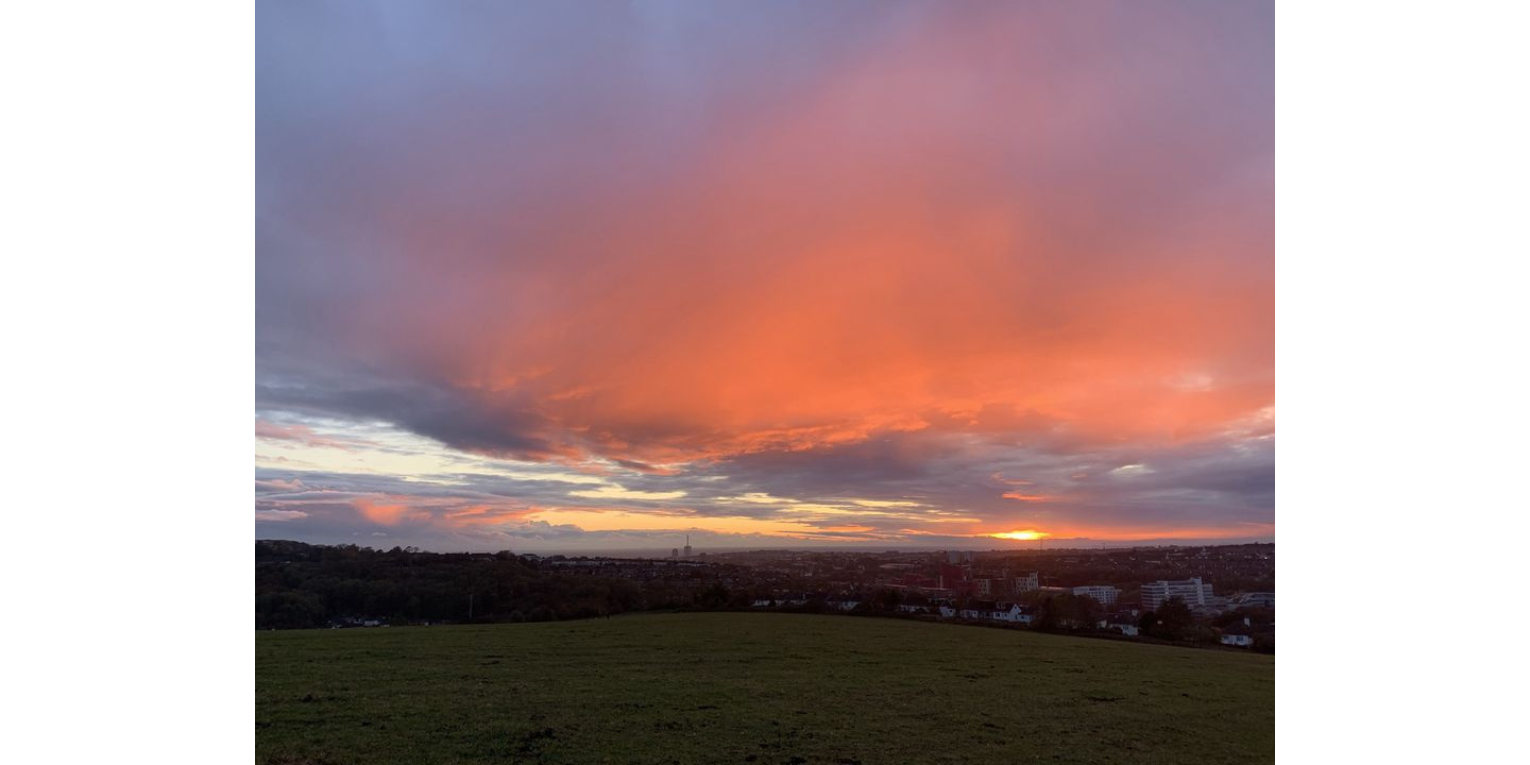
{"x": 755, "y": 688}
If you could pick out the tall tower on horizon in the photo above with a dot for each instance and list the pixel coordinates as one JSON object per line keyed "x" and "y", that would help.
{"x": 687, "y": 545}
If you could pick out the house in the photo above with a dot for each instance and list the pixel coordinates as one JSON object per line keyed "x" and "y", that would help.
{"x": 1238, "y": 634}
{"x": 844, "y": 605}
{"x": 947, "y": 610}
{"x": 1017, "y": 614}
{"x": 1129, "y": 630}
{"x": 763, "y": 603}
{"x": 998, "y": 612}
{"x": 979, "y": 609}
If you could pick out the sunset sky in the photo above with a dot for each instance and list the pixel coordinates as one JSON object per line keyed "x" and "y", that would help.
{"x": 589, "y": 276}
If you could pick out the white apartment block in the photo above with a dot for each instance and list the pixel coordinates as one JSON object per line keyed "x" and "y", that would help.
{"x": 1192, "y": 591}
{"x": 1027, "y": 582}
{"x": 1105, "y": 594}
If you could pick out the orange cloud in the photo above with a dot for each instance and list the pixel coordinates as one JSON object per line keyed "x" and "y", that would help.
{"x": 485, "y": 515}
{"x": 388, "y": 513}
{"x": 820, "y": 276}
{"x": 1019, "y": 497}
{"x": 300, "y": 434}
{"x": 1009, "y": 234}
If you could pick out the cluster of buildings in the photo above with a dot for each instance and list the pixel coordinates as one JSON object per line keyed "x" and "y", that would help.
{"x": 1198, "y": 596}
{"x": 953, "y": 590}
{"x": 674, "y": 552}
{"x": 1007, "y": 588}
{"x": 956, "y": 580}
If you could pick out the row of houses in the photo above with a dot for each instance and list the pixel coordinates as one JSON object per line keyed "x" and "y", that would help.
{"x": 1008, "y": 613}
{"x": 838, "y": 605}
{"x": 1004, "y": 613}
{"x": 1011, "y": 613}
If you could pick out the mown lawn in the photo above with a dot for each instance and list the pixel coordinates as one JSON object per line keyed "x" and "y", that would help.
{"x": 752, "y": 688}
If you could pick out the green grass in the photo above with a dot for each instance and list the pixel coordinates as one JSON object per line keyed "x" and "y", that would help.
{"x": 761, "y": 688}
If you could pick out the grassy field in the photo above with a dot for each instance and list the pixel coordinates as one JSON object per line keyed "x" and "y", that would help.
{"x": 752, "y": 688}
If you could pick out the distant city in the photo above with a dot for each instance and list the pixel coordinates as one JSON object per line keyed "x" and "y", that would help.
{"x": 1109, "y": 590}
{"x": 1202, "y": 595}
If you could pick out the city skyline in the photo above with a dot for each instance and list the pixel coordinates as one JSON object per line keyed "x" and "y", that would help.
{"x": 591, "y": 278}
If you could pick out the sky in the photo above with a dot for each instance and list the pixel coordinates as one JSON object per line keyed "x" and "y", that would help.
{"x": 592, "y": 276}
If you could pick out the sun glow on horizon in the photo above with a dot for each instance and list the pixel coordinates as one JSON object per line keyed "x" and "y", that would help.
{"x": 1026, "y": 535}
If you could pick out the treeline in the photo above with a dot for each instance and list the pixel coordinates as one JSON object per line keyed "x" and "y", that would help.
{"x": 300, "y": 585}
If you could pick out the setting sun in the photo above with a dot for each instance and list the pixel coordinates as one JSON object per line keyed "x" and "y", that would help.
{"x": 1026, "y": 535}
